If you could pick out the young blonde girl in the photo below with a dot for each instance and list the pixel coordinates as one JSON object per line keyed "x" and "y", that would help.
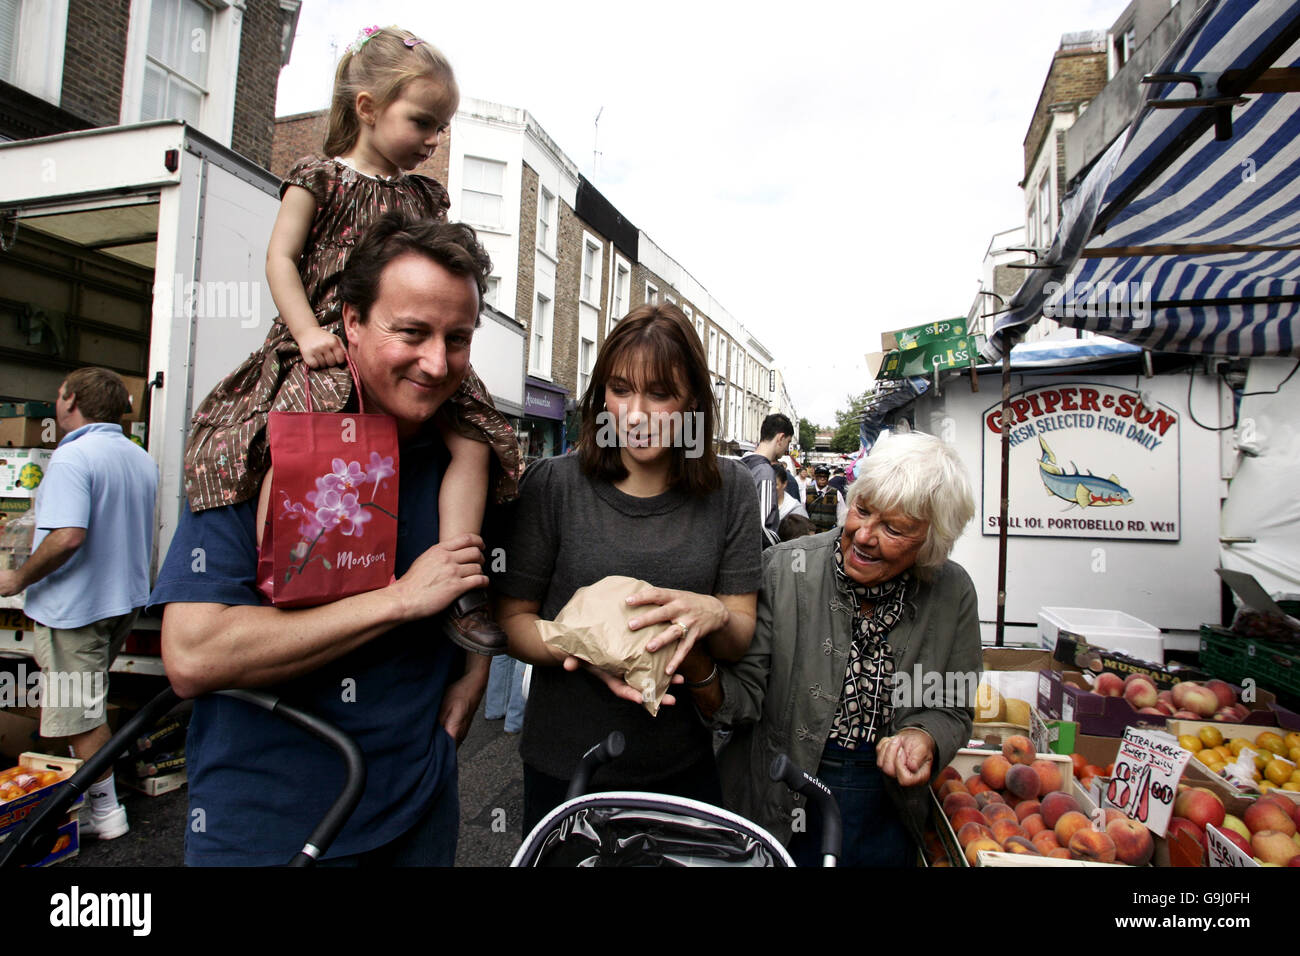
{"x": 394, "y": 96}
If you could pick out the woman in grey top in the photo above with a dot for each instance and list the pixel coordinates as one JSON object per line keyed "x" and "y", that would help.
{"x": 645, "y": 496}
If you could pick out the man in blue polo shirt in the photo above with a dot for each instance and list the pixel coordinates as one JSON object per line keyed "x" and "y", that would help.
{"x": 88, "y": 575}
{"x": 374, "y": 664}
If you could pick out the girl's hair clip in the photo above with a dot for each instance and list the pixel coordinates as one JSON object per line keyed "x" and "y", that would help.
{"x": 413, "y": 41}
{"x": 362, "y": 38}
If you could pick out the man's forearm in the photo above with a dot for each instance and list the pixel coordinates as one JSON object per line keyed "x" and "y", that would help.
{"x": 54, "y": 551}
{"x": 209, "y": 647}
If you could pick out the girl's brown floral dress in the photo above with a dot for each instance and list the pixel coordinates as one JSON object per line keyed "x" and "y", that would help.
{"x": 227, "y": 453}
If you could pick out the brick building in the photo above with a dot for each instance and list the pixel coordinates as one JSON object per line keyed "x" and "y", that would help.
{"x": 78, "y": 64}
{"x": 567, "y": 265}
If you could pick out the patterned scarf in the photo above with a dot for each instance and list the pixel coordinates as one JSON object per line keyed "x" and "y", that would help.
{"x": 865, "y": 707}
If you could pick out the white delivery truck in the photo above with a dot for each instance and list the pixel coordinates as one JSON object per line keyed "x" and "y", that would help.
{"x": 144, "y": 247}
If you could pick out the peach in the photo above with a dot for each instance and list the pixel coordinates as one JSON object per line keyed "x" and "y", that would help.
{"x": 1109, "y": 685}
{"x": 1049, "y": 775}
{"x": 955, "y": 801}
{"x": 1055, "y": 805}
{"x": 976, "y": 786}
{"x": 1223, "y": 691}
{"x": 1045, "y": 840}
{"x": 1018, "y": 844}
{"x": 975, "y": 846}
{"x": 973, "y": 831}
{"x": 999, "y": 811}
{"x": 1033, "y": 824}
{"x": 988, "y": 798}
{"x": 1140, "y": 692}
{"x": 1274, "y": 846}
{"x": 951, "y": 786}
{"x": 966, "y": 815}
{"x": 1022, "y": 781}
{"x": 1004, "y": 829}
{"x": 1092, "y": 845}
{"x": 1133, "y": 843}
{"x": 1191, "y": 696}
{"x": 1018, "y": 749}
{"x": 1267, "y": 815}
{"x": 1026, "y": 808}
{"x": 1200, "y": 806}
{"x": 947, "y": 773}
{"x": 994, "y": 771}
{"x": 1060, "y": 853}
{"x": 1165, "y": 707}
{"x": 1068, "y": 825}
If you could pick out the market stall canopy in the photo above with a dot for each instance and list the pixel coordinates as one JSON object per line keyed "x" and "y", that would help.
{"x": 1185, "y": 235}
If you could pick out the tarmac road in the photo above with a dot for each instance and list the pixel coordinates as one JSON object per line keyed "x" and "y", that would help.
{"x": 491, "y": 808}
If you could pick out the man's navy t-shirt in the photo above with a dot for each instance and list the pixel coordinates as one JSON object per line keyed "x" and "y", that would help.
{"x": 258, "y": 785}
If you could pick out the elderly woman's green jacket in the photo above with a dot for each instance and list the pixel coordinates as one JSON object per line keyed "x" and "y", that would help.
{"x": 781, "y": 698}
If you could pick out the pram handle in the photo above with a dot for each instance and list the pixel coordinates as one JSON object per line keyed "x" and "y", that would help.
{"x": 784, "y": 771}
{"x": 35, "y": 838}
{"x": 611, "y": 748}
{"x": 354, "y": 762}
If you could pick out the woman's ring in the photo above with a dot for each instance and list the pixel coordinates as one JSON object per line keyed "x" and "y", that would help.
{"x": 685, "y": 629}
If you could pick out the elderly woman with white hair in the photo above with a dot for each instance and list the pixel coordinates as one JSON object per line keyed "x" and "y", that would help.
{"x": 840, "y": 616}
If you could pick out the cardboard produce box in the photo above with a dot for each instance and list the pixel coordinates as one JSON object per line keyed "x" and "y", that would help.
{"x": 967, "y": 762}
{"x": 20, "y": 732}
{"x": 137, "y": 388}
{"x": 1065, "y": 695}
{"x": 1202, "y": 775}
{"x": 1072, "y": 652}
{"x": 1012, "y": 672}
{"x": 67, "y": 844}
{"x": 21, "y": 470}
{"x": 27, "y": 433}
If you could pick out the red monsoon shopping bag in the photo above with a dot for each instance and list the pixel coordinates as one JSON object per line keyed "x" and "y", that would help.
{"x": 331, "y": 525}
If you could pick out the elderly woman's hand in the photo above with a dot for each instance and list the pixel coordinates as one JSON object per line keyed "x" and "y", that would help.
{"x": 907, "y": 756}
{"x": 695, "y": 617}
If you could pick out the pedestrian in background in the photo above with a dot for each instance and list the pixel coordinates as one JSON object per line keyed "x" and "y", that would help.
{"x": 825, "y": 504}
{"x": 88, "y": 574}
{"x": 773, "y": 441}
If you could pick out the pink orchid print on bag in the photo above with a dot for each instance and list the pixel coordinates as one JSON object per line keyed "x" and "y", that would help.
{"x": 334, "y": 532}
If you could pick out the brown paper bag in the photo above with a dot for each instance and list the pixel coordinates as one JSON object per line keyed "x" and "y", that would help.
{"x": 593, "y": 627}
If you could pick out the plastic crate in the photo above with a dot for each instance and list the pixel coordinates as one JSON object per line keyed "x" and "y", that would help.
{"x": 1234, "y": 658}
{"x": 1275, "y": 667}
{"x": 1223, "y": 654}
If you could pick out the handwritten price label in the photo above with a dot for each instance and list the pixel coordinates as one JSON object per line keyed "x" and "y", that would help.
{"x": 1222, "y": 853}
{"x": 1147, "y": 769}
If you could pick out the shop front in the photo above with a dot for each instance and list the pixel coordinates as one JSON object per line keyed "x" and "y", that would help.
{"x": 541, "y": 429}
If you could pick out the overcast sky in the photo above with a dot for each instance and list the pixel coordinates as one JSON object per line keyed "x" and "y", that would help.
{"x": 827, "y": 170}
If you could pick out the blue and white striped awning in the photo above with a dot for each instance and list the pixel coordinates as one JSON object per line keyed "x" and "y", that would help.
{"x": 1178, "y": 241}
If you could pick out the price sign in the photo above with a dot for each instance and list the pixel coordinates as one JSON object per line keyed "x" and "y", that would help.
{"x": 1147, "y": 769}
{"x": 1222, "y": 853}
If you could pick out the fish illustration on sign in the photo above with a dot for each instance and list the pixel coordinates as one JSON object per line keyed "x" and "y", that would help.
{"x": 1086, "y": 491}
